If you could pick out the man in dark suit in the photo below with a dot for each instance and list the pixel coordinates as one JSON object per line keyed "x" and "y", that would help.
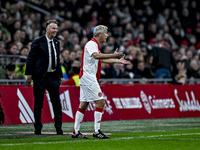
{"x": 43, "y": 67}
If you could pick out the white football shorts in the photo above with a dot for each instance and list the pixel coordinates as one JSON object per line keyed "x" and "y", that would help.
{"x": 90, "y": 93}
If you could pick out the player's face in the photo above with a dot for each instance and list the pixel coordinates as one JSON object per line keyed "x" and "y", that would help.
{"x": 104, "y": 36}
{"x": 52, "y": 30}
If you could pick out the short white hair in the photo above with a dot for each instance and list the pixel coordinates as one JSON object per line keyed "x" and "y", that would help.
{"x": 99, "y": 29}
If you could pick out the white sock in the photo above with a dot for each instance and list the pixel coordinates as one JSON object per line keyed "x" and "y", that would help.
{"x": 78, "y": 119}
{"x": 97, "y": 119}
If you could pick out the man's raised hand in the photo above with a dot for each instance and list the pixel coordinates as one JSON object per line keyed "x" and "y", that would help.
{"x": 118, "y": 55}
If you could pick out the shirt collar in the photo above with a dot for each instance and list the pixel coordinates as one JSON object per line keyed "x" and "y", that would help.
{"x": 48, "y": 40}
{"x": 93, "y": 39}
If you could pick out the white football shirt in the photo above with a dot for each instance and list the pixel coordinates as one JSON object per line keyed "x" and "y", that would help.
{"x": 89, "y": 64}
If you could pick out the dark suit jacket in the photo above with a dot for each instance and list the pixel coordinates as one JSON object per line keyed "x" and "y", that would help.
{"x": 38, "y": 59}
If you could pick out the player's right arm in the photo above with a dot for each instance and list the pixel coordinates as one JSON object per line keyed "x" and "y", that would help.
{"x": 107, "y": 56}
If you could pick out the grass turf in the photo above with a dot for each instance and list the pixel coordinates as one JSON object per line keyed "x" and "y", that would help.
{"x": 154, "y": 134}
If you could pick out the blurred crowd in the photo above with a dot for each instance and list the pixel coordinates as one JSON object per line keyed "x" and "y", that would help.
{"x": 135, "y": 28}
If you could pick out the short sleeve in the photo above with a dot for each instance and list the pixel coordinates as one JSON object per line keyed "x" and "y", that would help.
{"x": 91, "y": 47}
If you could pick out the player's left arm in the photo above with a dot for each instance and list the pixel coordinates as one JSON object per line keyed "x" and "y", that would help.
{"x": 112, "y": 61}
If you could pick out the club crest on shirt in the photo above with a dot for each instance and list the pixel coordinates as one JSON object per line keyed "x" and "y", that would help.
{"x": 99, "y": 94}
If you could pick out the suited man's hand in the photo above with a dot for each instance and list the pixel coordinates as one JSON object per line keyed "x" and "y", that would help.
{"x": 61, "y": 80}
{"x": 28, "y": 80}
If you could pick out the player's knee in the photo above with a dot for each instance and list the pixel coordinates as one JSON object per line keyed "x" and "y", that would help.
{"x": 83, "y": 105}
{"x": 103, "y": 103}
{"x": 100, "y": 103}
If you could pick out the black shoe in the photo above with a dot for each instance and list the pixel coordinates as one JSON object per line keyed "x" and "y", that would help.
{"x": 79, "y": 135}
{"x": 59, "y": 131}
{"x": 100, "y": 135}
{"x": 37, "y": 131}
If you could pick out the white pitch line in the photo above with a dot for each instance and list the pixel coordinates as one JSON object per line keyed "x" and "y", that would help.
{"x": 122, "y": 138}
{"x": 173, "y": 135}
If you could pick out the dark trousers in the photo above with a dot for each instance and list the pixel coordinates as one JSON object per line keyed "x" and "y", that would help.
{"x": 50, "y": 83}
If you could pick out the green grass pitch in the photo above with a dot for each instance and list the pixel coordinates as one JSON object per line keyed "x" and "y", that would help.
{"x": 152, "y": 134}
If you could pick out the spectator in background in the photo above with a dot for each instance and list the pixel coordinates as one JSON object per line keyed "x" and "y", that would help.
{"x": 177, "y": 36}
{"x": 16, "y": 37}
{"x": 21, "y": 62}
{"x": 83, "y": 41}
{"x": 111, "y": 42}
{"x": 62, "y": 42}
{"x": 73, "y": 40}
{"x": 177, "y": 56}
{"x": 143, "y": 47}
{"x": 129, "y": 29}
{"x": 115, "y": 71}
{"x": 124, "y": 46}
{"x": 103, "y": 72}
{"x": 79, "y": 54}
{"x": 185, "y": 18}
{"x": 72, "y": 57}
{"x": 123, "y": 15}
{"x": 1, "y": 36}
{"x": 139, "y": 29}
{"x": 129, "y": 71}
{"x": 2, "y": 52}
{"x": 112, "y": 23}
{"x": 29, "y": 45}
{"x": 169, "y": 41}
{"x": 197, "y": 31}
{"x": 24, "y": 37}
{"x": 183, "y": 52}
{"x": 107, "y": 49}
{"x": 141, "y": 71}
{"x": 19, "y": 45}
{"x": 65, "y": 34}
{"x": 181, "y": 66}
{"x": 65, "y": 76}
{"x": 132, "y": 52}
{"x": 74, "y": 66}
{"x": 163, "y": 60}
{"x": 74, "y": 74}
{"x": 141, "y": 37}
{"x": 8, "y": 73}
{"x": 77, "y": 47}
{"x": 188, "y": 34}
{"x": 151, "y": 43}
{"x": 78, "y": 30}
{"x": 16, "y": 26}
{"x": 179, "y": 79}
{"x": 189, "y": 54}
{"x": 193, "y": 41}
{"x": 12, "y": 50}
{"x": 139, "y": 57}
{"x": 194, "y": 69}
{"x": 65, "y": 55}
{"x": 151, "y": 32}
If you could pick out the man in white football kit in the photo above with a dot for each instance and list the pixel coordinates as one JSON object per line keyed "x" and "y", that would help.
{"x": 89, "y": 76}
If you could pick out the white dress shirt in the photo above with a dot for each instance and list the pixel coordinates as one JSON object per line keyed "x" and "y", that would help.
{"x": 50, "y": 61}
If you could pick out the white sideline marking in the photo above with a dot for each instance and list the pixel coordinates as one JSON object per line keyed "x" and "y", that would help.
{"x": 123, "y": 138}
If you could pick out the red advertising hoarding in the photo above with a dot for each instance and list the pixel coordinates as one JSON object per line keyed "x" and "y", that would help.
{"x": 123, "y": 102}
